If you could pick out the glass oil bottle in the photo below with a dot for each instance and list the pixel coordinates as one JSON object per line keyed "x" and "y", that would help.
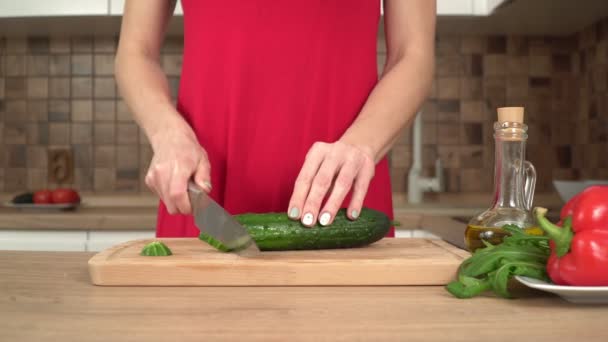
{"x": 514, "y": 182}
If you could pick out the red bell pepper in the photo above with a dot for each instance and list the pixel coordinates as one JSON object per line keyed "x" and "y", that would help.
{"x": 579, "y": 248}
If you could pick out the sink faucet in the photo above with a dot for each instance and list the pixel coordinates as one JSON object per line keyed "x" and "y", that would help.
{"x": 417, "y": 184}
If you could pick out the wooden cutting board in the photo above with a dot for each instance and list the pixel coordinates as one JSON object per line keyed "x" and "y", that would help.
{"x": 194, "y": 263}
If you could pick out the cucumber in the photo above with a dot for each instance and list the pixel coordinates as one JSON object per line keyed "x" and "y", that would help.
{"x": 277, "y": 232}
{"x": 156, "y": 248}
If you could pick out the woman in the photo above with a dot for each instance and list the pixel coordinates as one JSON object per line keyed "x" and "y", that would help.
{"x": 279, "y": 106}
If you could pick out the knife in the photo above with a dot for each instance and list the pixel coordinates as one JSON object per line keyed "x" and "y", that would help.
{"x": 211, "y": 219}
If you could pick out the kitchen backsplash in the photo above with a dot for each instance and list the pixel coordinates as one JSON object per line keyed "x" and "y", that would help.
{"x": 60, "y": 92}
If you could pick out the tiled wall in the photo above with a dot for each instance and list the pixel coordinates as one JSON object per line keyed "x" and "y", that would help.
{"x": 562, "y": 82}
{"x": 59, "y": 92}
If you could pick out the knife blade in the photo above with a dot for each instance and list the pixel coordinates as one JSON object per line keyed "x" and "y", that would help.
{"x": 211, "y": 219}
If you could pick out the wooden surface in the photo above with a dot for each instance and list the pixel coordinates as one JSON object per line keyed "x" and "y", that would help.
{"x": 48, "y": 297}
{"x": 386, "y": 262}
{"x": 103, "y": 218}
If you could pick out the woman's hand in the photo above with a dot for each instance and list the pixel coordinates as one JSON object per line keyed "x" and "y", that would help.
{"x": 331, "y": 170}
{"x": 177, "y": 157}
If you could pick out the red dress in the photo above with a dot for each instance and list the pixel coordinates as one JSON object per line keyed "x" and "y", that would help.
{"x": 261, "y": 82}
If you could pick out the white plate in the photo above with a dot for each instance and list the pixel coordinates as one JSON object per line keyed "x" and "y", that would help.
{"x": 33, "y": 206}
{"x": 574, "y": 294}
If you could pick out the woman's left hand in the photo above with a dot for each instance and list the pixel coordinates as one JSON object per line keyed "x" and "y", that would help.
{"x": 330, "y": 171}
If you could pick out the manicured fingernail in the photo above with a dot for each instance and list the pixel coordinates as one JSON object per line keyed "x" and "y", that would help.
{"x": 208, "y": 185}
{"x": 307, "y": 219}
{"x": 294, "y": 212}
{"x": 324, "y": 219}
{"x": 354, "y": 214}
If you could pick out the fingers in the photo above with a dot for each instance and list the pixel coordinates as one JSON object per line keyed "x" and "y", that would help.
{"x": 318, "y": 190}
{"x": 341, "y": 187}
{"x": 202, "y": 175}
{"x": 359, "y": 191}
{"x": 169, "y": 180}
{"x": 304, "y": 181}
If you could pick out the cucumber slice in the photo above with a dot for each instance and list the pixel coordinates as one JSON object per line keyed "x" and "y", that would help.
{"x": 156, "y": 248}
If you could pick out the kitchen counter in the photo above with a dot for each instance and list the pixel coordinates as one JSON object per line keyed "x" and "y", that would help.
{"x": 47, "y": 296}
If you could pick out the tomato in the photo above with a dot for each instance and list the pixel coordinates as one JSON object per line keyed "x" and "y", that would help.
{"x": 42, "y": 197}
{"x": 63, "y": 196}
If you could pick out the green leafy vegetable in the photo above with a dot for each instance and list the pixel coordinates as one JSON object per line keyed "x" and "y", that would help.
{"x": 490, "y": 268}
{"x": 156, "y": 248}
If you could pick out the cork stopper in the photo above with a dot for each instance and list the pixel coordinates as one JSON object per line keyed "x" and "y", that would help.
{"x": 511, "y": 114}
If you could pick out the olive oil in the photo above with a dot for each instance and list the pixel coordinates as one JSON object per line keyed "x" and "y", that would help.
{"x": 474, "y": 235}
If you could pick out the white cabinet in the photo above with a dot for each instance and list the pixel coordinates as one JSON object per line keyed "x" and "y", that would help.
{"x": 467, "y": 7}
{"x": 117, "y": 7}
{"x": 49, "y": 8}
{"x": 43, "y": 240}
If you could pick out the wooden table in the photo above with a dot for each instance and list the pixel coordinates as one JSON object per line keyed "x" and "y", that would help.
{"x": 47, "y": 296}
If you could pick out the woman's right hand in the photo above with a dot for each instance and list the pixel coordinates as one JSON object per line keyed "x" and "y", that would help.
{"x": 178, "y": 157}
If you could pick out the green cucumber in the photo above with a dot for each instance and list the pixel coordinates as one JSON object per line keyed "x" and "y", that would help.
{"x": 156, "y": 248}
{"x": 277, "y": 232}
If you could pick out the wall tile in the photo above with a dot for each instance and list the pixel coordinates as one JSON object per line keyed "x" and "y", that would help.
{"x": 38, "y": 110}
{"x": 36, "y": 156}
{"x": 518, "y": 65}
{"x": 447, "y": 45}
{"x": 517, "y": 46}
{"x": 473, "y": 180}
{"x": 59, "y": 133}
{"x": 83, "y": 179}
{"x": 173, "y": 44}
{"x": 561, "y": 62}
{"x": 496, "y": 45}
{"x": 471, "y": 133}
{"x": 36, "y": 179}
{"x": 105, "y": 44}
{"x": 37, "y": 65}
{"x": 539, "y": 46}
{"x": 15, "y": 133}
{"x": 82, "y": 44}
{"x": 517, "y": 87}
{"x": 15, "y": 179}
{"x": 123, "y": 113}
{"x": 59, "y": 110}
{"x": 2, "y": 89}
{"x": 127, "y": 134}
{"x": 429, "y": 133}
{"x": 104, "y": 87}
{"x": 494, "y": 65}
{"x": 127, "y": 157}
{"x": 448, "y": 87}
{"x": 37, "y": 87}
{"x": 15, "y": 87}
{"x": 82, "y": 87}
{"x": 540, "y": 65}
{"x": 104, "y": 65}
{"x": 59, "y": 87}
{"x": 15, "y": 111}
{"x": 82, "y": 133}
{"x": 104, "y": 133}
{"x": 15, "y": 156}
{"x": 104, "y": 110}
{"x": 470, "y": 88}
{"x": 15, "y": 65}
{"x": 105, "y": 156}
{"x": 104, "y": 180}
{"x": 59, "y": 65}
{"x": 145, "y": 156}
{"x": 59, "y": 44}
{"x": 472, "y": 44}
{"x": 16, "y": 45}
{"x": 473, "y": 111}
{"x": 452, "y": 65}
{"x": 82, "y": 110}
{"x": 449, "y": 155}
{"x": 38, "y": 44}
{"x": 448, "y": 134}
{"x": 472, "y": 156}
{"x": 448, "y": 110}
{"x": 401, "y": 157}
{"x": 82, "y": 65}
{"x": 83, "y": 156}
